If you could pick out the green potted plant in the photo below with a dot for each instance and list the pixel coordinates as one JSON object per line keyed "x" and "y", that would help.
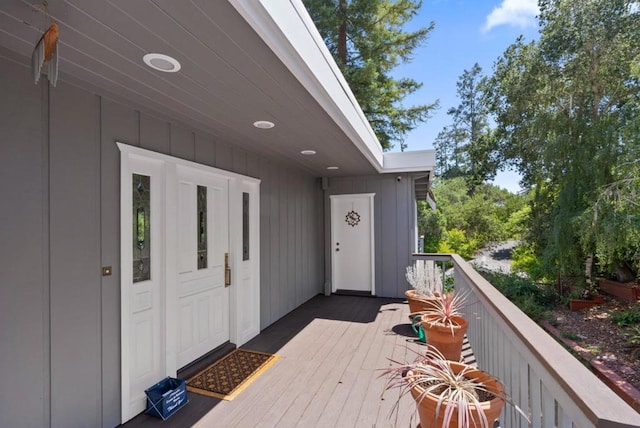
{"x": 443, "y": 324}
{"x": 426, "y": 284}
{"x": 447, "y": 393}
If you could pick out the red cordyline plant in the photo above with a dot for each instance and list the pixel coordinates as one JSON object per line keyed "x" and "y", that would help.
{"x": 455, "y": 392}
{"x": 446, "y": 308}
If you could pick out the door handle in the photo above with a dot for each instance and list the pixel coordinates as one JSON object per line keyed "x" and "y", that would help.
{"x": 227, "y": 271}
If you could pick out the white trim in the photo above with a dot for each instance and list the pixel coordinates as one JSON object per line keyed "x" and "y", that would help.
{"x": 412, "y": 161}
{"x": 370, "y": 197}
{"x": 126, "y": 148}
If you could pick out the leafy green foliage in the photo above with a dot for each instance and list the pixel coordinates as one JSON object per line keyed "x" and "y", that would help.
{"x": 566, "y": 109}
{"x": 533, "y": 299}
{"x": 368, "y": 40}
{"x": 627, "y": 317}
{"x": 431, "y": 225}
{"x": 474, "y": 220}
{"x": 457, "y": 242}
{"x": 571, "y": 336}
{"x": 524, "y": 260}
{"x": 633, "y": 337}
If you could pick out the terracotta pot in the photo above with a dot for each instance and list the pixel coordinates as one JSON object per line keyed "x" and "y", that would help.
{"x": 418, "y": 303}
{"x": 441, "y": 337}
{"x": 427, "y": 404}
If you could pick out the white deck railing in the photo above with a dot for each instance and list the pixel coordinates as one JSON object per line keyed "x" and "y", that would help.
{"x": 540, "y": 376}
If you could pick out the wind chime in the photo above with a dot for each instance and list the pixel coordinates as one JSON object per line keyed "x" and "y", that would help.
{"x": 45, "y": 53}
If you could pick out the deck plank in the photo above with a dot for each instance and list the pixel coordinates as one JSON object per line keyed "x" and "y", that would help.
{"x": 332, "y": 350}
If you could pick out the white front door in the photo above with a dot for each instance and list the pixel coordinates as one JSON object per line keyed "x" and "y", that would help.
{"x": 201, "y": 298}
{"x": 179, "y": 220}
{"x": 352, "y": 243}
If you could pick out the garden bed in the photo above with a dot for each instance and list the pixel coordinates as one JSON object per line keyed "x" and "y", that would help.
{"x": 593, "y": 337}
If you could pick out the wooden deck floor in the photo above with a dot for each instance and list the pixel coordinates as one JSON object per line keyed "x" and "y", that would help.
{"x": 331, "y": 352}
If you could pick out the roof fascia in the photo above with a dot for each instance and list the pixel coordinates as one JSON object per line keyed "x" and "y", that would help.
{"x": 413, "y": 161}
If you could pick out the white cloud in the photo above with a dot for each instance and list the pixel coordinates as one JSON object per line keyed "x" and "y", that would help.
{"x": 517, "y": 13}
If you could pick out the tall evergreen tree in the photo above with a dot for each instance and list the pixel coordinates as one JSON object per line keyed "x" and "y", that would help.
{"x": 466, "y": 147}
{"x": 368, "y": 40}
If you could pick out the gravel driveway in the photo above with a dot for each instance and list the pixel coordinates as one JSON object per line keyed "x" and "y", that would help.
{"x": 495, "y": 257}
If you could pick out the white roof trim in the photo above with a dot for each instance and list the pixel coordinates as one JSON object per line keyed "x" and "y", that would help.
{"x": 413, "y": 161}
{"x": 287, "y": 28}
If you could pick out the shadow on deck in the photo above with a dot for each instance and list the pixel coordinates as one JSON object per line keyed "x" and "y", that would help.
{"x": 331, "y": 349}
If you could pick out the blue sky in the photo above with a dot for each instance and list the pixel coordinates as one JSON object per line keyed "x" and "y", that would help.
{"x": 466, "y": 32}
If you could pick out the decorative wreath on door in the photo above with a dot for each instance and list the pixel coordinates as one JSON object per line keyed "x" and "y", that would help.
{"x": 353, "y": 218}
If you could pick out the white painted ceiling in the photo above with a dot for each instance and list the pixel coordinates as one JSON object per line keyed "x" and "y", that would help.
{"x": 229, "y": 77}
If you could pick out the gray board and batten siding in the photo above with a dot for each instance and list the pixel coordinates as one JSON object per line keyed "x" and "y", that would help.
{"x": 60, "y": 189}
{"x": 394, "y": 220}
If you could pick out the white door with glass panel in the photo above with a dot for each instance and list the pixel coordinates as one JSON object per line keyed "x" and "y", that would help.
{"x": 202, "y": 299}
{"x": 352, "y": 243}
{"x": 143, "y": 279}
{"x": 176, "y": 222}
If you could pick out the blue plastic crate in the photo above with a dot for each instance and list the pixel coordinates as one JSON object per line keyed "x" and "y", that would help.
{"x": 166, "y": 397}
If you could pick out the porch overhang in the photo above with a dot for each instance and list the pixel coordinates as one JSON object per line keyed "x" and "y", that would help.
{"x": 242, "y": 61}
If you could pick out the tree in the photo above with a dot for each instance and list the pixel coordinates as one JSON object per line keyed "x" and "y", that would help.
{"x": 367, "y": 40}
{"x": 482, "y": 216}
{"x": 467, "y": 147}
{"x": 563, "y": 106}
{"x": 431, "y": 225}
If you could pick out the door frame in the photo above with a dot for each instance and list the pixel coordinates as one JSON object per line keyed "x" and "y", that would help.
{"x": 370, "y": 198}
{"x": 244, "y": 293}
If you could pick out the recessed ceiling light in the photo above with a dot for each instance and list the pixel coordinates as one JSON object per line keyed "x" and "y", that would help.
{"x": 308, "y": 152}
{"x": 333, "y": 167}
{"x": 162, "y": 62}
{"x": 263, "y": 124}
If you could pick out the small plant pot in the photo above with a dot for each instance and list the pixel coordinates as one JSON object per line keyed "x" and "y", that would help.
{"x": 441, "y": 337}
{"x": 418, "y": 303}
{"x": 427, "y": 404}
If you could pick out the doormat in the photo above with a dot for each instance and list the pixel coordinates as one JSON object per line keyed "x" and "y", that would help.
{"x": 227, "y": 377}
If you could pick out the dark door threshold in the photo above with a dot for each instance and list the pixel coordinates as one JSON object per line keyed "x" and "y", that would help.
{"x": 206, "y": 360}
{"x": 353, "y": 293}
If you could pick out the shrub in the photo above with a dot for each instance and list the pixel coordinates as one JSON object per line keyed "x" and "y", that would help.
{"x": 456, "y": 242}
{"x": 524, "y": 260}
{"x": 533, "y": 299}
{"x": 626, "y": 318}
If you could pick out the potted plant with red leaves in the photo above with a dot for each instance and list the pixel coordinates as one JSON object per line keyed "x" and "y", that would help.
{"x": 447, "y": 393}
{"x": 443, "y": 324}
